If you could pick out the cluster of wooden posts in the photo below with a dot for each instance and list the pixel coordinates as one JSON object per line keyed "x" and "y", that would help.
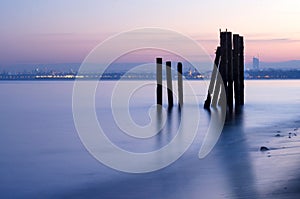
{"x": 169, "y": 83}
{"x": 229, "y": 62}
{"x": 228, "y": 68}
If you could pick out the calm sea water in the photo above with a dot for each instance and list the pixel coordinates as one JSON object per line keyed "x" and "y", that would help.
{"x": 41, "y": 154}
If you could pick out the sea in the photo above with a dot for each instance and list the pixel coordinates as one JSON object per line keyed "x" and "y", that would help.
{"x": 44, "y": 149}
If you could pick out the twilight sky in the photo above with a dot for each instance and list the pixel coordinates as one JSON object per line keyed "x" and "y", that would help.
{"x": 58, "y": 31}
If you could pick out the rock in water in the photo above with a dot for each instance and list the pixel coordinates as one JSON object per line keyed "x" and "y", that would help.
{"x": 263, "y": 148}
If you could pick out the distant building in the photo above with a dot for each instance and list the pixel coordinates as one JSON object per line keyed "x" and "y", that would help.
{"x": 255, "y": 63}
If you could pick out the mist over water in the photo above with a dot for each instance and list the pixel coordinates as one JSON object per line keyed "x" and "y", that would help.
{"x": 42, "y": 155}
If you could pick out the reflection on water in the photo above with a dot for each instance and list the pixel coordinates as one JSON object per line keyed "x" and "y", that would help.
{"x": 173, "y": 119}
{"x": 236, "y": 162}
{"x": 225, "y": 173}
{"x": 42, "y": 155}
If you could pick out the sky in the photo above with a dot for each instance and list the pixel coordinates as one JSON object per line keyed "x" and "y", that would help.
{"x": 65, "y": 31}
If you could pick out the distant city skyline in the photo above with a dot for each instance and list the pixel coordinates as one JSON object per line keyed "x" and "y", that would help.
{"x": 66, "y": 31}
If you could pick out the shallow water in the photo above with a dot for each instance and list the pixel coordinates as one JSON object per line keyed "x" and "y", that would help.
{"x": 42, "y": 155}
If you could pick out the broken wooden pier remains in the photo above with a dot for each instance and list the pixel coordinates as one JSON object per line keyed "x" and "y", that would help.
{"x": 169, "y": 83}
{"x": 229, "y": 62}
{"x": 228, "y": 70}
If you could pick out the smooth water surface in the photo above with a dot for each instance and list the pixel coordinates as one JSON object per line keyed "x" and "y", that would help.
{"x": 42, "y": 156}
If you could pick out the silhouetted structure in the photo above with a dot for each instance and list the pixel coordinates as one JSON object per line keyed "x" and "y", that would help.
{"x": 214, "y": 83}
{"x": 229, "y": 62}
{"x": 159, "y": 81}
{"x": 236, "y": 71}
{"x": 241, "y": 70}
{"x": 169, "y": 83}
{"x": 255, "y": 63}
{"x": 180, "y": 84}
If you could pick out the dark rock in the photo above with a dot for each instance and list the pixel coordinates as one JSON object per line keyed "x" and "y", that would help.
{"x": 263, "y": 148}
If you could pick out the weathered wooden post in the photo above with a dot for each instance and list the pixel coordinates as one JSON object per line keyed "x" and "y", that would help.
{"x": 212, "y": 84}
{"x": 216, "y": 93}
{"x": 169, "y": 84}
{"x": 180, "y": 84}
{"x": 241, "y": 69}
{"x": 223, "y": 63}
{"x": 159, "y": 81}
{"x": 230, "y": 63}
{"x": 229, "y": 70}
{"x": 236, "y": 75}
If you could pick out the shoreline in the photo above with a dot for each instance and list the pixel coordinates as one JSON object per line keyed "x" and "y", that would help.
{"x": 275, "y": 167}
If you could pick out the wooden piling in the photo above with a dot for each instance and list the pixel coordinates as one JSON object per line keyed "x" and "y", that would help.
{"x": 223, "y": 63}
{"x": 229, "y": 70}
{"x": 216, "y": 93}
{"x": 180, "y": 84}
{"x": 159, "y": 81}
{"x": 236, "y": 74}
{"x": 169, "y": 83}
{"x": 212, "y": 84}
{"x": 230, "y": 64}
{"x": 241, "y": 69}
